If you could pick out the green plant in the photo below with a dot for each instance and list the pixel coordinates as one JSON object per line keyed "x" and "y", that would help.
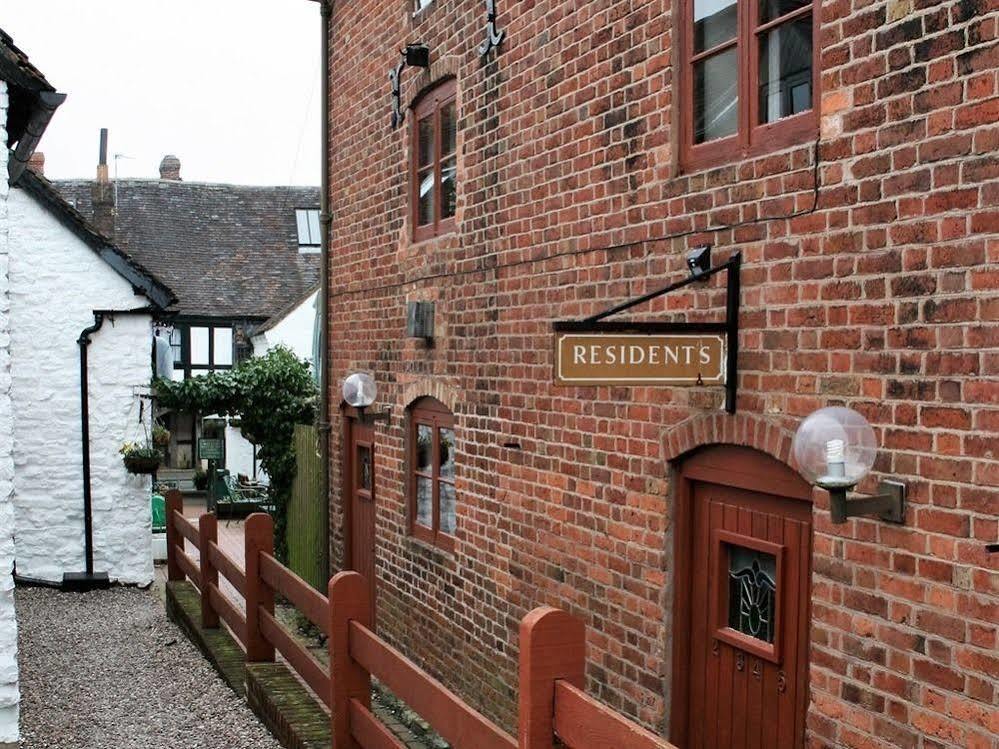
{"x": 270, "y": 394}
{"x": 200, "y": 479}
{"x": 161, "y": 436}
{"x": 140, "y": 458}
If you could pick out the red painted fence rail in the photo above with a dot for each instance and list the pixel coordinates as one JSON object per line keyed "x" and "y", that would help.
{"x": 553, "y": 705}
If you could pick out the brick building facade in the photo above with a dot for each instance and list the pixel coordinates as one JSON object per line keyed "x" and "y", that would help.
{"x": 870, "y": 245}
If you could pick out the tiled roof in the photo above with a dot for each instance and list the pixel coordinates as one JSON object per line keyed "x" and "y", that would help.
{"x": 141, "y": 279}
{"x": 16, "y": 68}
{"x": 225, "y": 250}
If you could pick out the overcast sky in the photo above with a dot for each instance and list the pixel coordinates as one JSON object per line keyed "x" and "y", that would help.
{"x": 231, "y": 87}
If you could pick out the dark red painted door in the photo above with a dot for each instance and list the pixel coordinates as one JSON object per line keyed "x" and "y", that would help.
{"x": 749, "y": 570}
{"x": 362, "y": 501}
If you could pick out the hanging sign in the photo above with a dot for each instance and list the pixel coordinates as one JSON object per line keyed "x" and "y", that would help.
{"x": 600, "y": 351}
{"x": 636, "y": 359}
{"x": 210, "y": 449}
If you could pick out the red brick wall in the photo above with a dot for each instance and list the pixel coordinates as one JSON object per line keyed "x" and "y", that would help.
{"x": 869, "y": 279}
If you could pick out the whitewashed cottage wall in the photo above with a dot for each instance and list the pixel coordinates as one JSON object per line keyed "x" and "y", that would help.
{"x": 8, "y": 625}
{"x": 56, "y": 283}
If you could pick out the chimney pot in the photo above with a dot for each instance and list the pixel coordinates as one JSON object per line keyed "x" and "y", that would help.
{"x": 37, "y": 163}
{"x": 170, "y": 168}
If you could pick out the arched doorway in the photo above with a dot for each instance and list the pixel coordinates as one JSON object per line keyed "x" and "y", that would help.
{"x": 743, "y": 550}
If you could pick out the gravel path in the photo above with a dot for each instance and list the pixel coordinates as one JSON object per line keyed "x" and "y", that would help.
{"x": 108, "y": 670}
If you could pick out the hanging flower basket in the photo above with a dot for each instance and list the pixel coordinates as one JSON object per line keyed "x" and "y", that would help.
{"x": 161, "y": 436}
{"x": 140, "y": 464}
{"x": 140, "y": 459}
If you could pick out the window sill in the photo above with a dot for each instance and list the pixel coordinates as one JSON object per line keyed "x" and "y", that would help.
{"x": 431, "y": 549}
{"x": 767, "y": 139}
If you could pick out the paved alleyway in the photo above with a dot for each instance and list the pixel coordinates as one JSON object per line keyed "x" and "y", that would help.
{"x": 107, "y": 670}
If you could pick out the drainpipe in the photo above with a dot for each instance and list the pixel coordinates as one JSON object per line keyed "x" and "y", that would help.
{"x": 326, "y": 11}
{"x": 90, "y": 580}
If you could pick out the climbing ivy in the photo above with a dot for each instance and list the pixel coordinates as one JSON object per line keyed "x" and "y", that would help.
{"x": 270, "y": 394}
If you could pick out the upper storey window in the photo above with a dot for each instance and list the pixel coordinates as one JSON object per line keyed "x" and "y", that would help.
{"x": 434, "y": 168}
{"x": 419, "y": 5}
{"x": 307, "y": 222}
{"x": 749, "y": 78}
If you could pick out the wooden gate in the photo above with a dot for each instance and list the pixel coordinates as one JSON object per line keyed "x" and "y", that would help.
{"x": 308, "y": 532}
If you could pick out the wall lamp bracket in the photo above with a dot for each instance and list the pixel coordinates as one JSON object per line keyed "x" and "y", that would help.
{"x": 413, "y": 56}
{"x": 494, "y": 36}
{"x": 370, "y": 417}
{"x": 888, "y": 503}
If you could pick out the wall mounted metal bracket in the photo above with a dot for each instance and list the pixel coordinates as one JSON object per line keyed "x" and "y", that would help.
{"x": 494, "y": 36}
{"x": 729, "y": 328}
{"x": 413, "y": 56}
{"x": 888, "y": 503}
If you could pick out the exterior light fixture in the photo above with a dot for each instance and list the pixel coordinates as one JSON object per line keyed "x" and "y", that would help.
{"x": 699, "y": 261}
{"x": 835, "y": 448}
{"x": 413, "y": 56}
{"x": 360, "y": 390}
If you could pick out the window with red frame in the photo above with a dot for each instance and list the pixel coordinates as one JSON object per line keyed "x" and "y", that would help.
{"x": 432, "y": 461}
{"x": 434, "y": 169}
{"x": 749, "y": 77}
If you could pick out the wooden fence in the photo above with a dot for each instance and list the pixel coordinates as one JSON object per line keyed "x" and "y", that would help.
{"x": 307, "y": 533}
{"x": 552, "y": 706}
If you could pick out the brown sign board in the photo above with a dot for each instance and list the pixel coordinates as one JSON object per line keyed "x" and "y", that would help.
{"x": 639, "y": 359}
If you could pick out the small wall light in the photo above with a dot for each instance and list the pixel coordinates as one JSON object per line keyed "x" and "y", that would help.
{"x": 835, "y": 448}
{"x": 360, "y": 390}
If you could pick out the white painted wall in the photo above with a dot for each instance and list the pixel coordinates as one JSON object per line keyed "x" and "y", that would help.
{"x": 56, "y": 282}
{"x": 239, "y": 454}
{"x": 9, "y": 696}
{"x": 294, "y": 331}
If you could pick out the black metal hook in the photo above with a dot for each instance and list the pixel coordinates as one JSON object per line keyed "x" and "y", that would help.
{"x": 494, "y": 36}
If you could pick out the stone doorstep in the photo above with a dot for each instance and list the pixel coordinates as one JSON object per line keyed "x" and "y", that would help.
{"x": 283, "y": 704}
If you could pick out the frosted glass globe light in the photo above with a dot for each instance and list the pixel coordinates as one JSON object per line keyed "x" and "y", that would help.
{"x": 834, "y": 447}
{"x": 360, "y": 390}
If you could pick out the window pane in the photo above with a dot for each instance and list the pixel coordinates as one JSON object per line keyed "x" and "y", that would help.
{"x": 424, "y": 448}
{"x": 421, "y": 4}
{"x": 715, "y": 21}
{"x": 449, "y": 128}
{"x": 786, "y": 70}
{"x": 449, "y": 188}
{"x": 426, "y": 141}
{"x": 752, "y": 591}
{"x": 771, "y": 9}
{"x": 446, "y": 458}
{"x": 223, "y": 346}
{"x": 425, "y": 502}
{"x": 364, "y": 467}
{"x": 447, "y": 507}
{"x": 314, "y": 234}
{"x": 716, "y": 97}
{"x": 425, "y": 214}
{"x": 199, "y": 346}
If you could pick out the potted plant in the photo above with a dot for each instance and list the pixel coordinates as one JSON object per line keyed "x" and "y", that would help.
{"x": 161, "y": 436}
{"x": 200, "y": 480}
{"x": 140, "y": 459}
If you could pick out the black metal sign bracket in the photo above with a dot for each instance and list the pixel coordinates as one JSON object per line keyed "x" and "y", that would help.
{"x": 730, "y": 328}
{"x": 494, "y": 36}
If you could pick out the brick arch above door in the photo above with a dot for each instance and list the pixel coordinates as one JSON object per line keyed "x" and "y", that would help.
{"x": 434, "y": 388}
{"x": 745, "y": 429}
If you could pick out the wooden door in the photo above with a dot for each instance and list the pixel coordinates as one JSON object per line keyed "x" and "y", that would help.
{"x": 743, "y": 610}
{"x": 360, "y": 475}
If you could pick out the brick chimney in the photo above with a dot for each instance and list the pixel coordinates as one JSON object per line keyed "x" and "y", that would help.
{"x": 37, "y": 163}
{"x": 102, "y": 192}
{"x": 170, "y": 168}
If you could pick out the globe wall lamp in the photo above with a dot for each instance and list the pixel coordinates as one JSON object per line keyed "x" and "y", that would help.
{"x": 360, "y": 391}
{"x": 835, "y": 448}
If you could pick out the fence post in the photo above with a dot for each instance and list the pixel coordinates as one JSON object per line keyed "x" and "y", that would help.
{"x": 208, "y": 533}
{"x": 259, "y": 538}
{"x": 174, "y": 501}
{"x": 349, "y": 599}
{"x": 552, "y": 647}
